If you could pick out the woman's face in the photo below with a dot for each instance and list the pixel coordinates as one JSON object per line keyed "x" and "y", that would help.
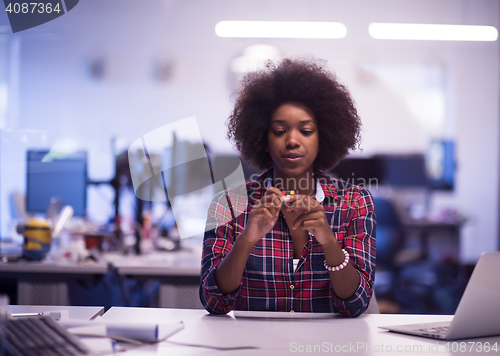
{"x": 293, "y": 140}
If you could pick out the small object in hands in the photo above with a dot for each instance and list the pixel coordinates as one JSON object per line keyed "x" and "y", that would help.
{"x": 340, "y": 266}
{"x": 288, "y": 193}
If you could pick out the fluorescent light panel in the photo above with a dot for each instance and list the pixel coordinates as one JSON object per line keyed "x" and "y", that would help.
{"x": 280, "y": 29}
{"x": 428, "y": 32}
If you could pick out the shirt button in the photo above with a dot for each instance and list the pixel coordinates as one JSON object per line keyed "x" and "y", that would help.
{"x": 292, "y": 286}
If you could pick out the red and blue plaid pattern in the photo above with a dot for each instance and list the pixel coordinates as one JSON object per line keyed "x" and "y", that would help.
{"x": 269, "y": 282}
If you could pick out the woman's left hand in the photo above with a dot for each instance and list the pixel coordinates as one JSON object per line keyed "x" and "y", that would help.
{"x": 311, "y": 217}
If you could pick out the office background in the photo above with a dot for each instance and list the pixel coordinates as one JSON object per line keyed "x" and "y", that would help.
{"x": 109, "y": 71}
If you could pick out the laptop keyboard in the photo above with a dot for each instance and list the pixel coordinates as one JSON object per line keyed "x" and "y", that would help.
{"x": 442, "y": 330}
{"x": 40, "y": 336}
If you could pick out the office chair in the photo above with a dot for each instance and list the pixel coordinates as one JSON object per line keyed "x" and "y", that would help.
{"x": 373, "y": 306}
{"x": 399, "y": 280}
{"x": 390, "y": 233}
{"x": 390, "y": 238}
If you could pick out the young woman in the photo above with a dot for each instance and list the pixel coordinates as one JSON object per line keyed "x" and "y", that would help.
{"x": 311, "y": 251}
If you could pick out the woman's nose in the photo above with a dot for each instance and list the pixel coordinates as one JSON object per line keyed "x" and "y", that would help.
{"x": 292, "y": 140}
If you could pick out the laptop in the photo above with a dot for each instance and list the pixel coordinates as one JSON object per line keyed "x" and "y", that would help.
{"x": 477, "y": 314}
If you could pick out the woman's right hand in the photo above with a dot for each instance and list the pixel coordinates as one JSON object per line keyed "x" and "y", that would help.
{"x": 261, "y": 220}
{"x": 263, "y": 215}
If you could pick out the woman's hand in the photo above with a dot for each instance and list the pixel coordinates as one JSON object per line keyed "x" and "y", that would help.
{"x": 263, "y": 215}
{"x": 261, "y": 220}
{"x": 311, "y": 217}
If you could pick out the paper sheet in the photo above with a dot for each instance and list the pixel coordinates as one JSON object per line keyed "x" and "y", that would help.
{"x": 145, "y": 332}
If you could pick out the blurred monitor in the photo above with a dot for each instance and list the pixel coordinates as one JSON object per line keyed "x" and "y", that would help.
{"x": 189, "y": 175}
{"x": 404, "y": 170}
{"x": 359, "y": 171}
{"x": 251, "y": 172}
{"x": 223, "y": 167}
{"x": 435, "y": 170}
{"x": 441, "y": 164}
{"x": 63, "y": 176}
{"x": 189, "y": 169}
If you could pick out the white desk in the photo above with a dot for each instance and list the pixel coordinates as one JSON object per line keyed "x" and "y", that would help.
{"x": 85, "y": 313}
{"x": 360, "y": 336}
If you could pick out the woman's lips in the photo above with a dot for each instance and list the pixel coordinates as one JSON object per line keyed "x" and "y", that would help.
{"x": 292, "y": 158}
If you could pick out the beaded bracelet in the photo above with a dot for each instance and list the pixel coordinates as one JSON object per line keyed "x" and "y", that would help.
{"x": 340, "y": 266}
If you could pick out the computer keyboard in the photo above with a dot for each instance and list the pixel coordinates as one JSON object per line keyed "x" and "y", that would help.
{"x": 442, "y": 330}
{"x": 40, "y": 336}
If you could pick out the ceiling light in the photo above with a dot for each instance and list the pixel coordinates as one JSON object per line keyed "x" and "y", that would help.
{"x": 280, "y": 29}
{"x": 407, "y": 31}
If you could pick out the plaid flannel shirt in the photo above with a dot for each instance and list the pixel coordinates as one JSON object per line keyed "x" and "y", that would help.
{"x": 269, "y": 282}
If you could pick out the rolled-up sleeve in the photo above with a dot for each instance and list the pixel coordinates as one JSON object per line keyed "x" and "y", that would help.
{"x": 217, "y": 243}
{"x": 359, "y": 242}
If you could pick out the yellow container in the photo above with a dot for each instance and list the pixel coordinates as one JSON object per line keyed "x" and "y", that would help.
{"x": 37, "y": 239}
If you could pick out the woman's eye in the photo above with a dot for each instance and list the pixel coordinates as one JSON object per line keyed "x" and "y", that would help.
{"x": 307, "y": 133}
{"x": 279, "y": 132}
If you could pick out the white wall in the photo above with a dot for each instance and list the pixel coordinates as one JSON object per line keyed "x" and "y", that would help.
{"x": 56, "y": 94}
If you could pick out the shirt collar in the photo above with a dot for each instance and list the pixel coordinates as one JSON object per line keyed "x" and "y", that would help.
{"x": 329, "y": 187}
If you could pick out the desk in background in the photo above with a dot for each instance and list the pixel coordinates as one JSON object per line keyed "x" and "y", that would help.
{"x": 424, "y": 228}
{"x": 178, "y": 273}
{"x": 46, "y": 282}
{"x": 418, "y": 269}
